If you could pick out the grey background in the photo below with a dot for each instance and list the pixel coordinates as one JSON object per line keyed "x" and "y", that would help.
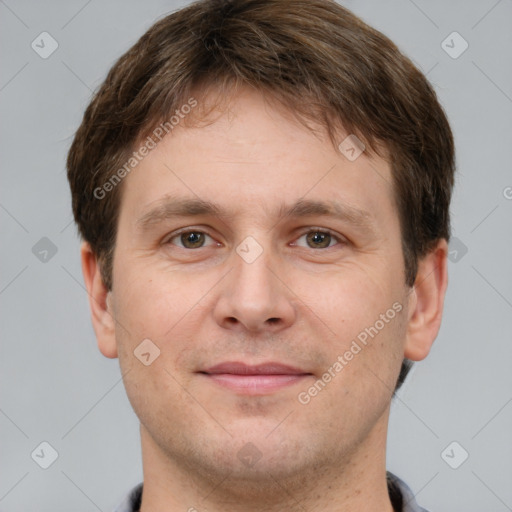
{"x": 57, "y": 387}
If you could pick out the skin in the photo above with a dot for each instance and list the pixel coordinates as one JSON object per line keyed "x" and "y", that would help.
{"x": 298, "y": 303}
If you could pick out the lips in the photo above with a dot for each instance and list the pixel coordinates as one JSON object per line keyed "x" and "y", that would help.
{"x": 237, "y": 368}
{"x": 254, "y": 379}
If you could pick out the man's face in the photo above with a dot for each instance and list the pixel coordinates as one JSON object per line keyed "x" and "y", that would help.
{"x": 252, "y": 285}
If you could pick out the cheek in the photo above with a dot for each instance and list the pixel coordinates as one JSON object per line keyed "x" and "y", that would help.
{"x": 151, "y": 304}
{"x": 348, "y": 299}
{"x": 365, "y": 313}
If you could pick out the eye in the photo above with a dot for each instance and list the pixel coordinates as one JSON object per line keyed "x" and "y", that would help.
{"x": 189, "y": 239}
{"x": 319, "y": 239}
{"x": 314, "y": 239}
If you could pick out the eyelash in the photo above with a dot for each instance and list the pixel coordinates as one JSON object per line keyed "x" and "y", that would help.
{"x": 325, "y": 231}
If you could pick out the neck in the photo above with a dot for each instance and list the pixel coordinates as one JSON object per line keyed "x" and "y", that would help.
{"x": 355, "y": 483}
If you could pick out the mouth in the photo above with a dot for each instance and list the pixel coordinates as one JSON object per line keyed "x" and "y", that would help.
{"x": 254, "y": 379}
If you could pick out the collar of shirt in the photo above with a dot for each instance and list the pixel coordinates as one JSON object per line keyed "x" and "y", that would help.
{"x": 401, "y": 496}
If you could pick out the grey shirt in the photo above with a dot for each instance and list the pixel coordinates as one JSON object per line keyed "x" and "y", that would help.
{"x": 401, "y": 497}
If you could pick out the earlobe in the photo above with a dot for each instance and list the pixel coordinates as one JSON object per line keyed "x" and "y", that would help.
{"x": 426, "y": 302}
{"x": 101, "y": 313}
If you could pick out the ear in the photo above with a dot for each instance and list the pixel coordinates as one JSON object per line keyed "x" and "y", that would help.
{"x": 99, "y": 299}
{"x": 426, "y": 302}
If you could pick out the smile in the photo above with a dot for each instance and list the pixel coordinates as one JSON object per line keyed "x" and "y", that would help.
{"x": 254, "y": 380}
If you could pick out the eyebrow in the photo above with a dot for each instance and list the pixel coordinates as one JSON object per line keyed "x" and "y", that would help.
{"x": 171, "y": 207}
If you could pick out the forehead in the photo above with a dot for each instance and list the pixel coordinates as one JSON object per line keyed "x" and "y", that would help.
{"x": 251, "y": 154}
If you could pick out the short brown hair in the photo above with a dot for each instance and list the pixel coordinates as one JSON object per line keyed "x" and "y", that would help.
{"x": 317, "y": 59}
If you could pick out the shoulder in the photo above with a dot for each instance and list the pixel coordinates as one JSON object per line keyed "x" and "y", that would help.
{"x": 131, "y": 502}
{"x": 401, "y": 495}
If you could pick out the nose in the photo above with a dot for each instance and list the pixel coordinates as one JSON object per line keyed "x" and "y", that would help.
{"x": 253, "y": 297}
